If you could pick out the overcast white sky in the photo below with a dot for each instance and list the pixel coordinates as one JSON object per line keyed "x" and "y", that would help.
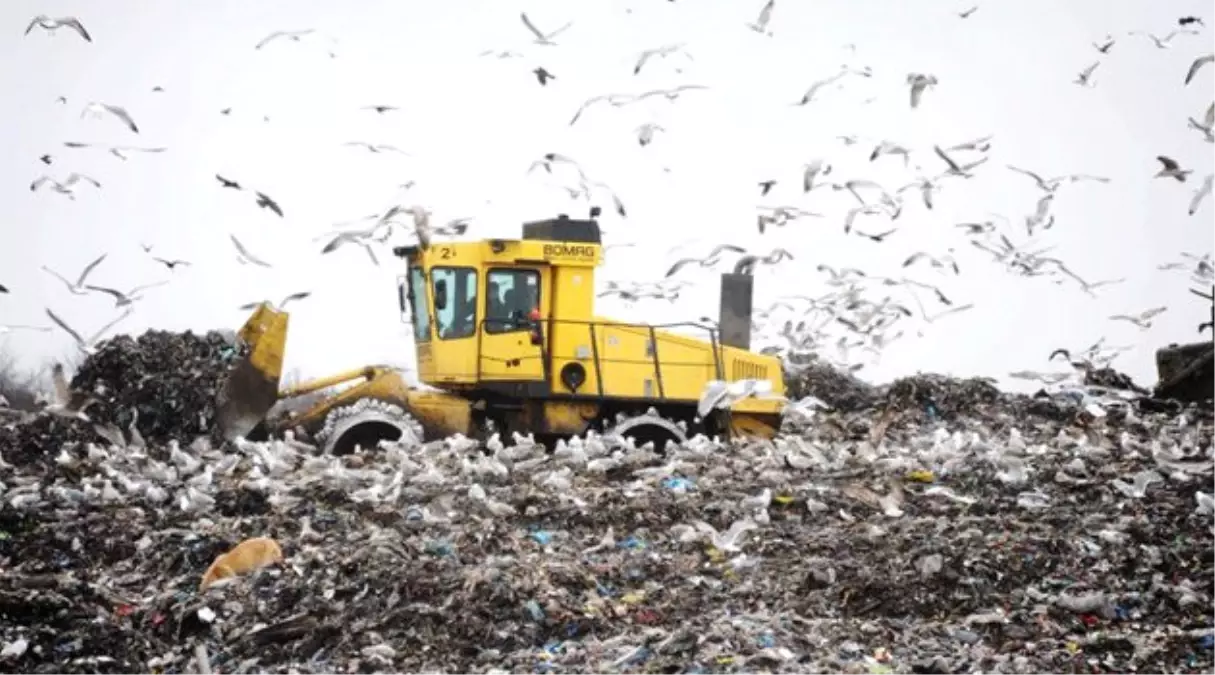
{"x": 473, "y": 126}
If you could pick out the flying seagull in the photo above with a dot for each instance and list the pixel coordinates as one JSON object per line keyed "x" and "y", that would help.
{"x": 376, "y": 147}
{"x": 919, "y": 82}
{"x": 1142, "y": 320}
{"x": 815, "y": 168}
{"x": 78, "y": 287}
{"x": 543, "y": 38}
{"x": 381, "y": 109}
{"x": 1104, "y": 47}
{"x": 353, "y": 238}
{"x": 1171, "y": 169}
{"x": 708, "y": 261}
{"x": 8, "y": 328}
{"x": 764, "y": 18}
{"x": 224, "y": 182}
{"x": 1084, "y": 79}
{"x": 266, "y": 202}
{"x": 243, "y": 256}
{"x": 661, "y": 52}
{"x": 124, "y": 299}
{"x": 939, "y": 263}
{"x": 543, "y": 76}
{"x": 86, "y": 346}
{"x": 172, "y": 264}
{"x": 1197, "y": 66}
{"x": 965, "y": 14}
{"x": 98, "y": 109}
{"x": 645, "y": 133}
{"x": 118, "y": 151}
{"x": 66, "y": 186}
{"x": 294, "y": 296}
{"x": 1201, "y": 194}
{"x": 293, "y": 35}
{"x": 51, "y": 25}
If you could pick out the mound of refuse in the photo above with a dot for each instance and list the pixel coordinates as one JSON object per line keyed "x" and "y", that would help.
{"x": 161, "y": 383}
{"x": 930, "y": 525}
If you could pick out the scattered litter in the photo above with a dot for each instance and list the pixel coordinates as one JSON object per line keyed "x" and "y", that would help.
{"x": 978, "y": 531}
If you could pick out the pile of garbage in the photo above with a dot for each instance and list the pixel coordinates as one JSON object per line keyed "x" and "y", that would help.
{"x": 163, "y": 384}
{"x": 966, "y": 539}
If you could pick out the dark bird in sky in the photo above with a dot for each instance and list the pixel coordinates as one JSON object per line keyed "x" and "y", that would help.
{"x": 171, "y": 264}
{"x": 543, "y": 76}
{"x": 765, "y": 186}
{"x": 267, "y": 203}
{"x": 224, "y": 182}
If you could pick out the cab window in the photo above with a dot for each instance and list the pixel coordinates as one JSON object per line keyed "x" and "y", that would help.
{"x": 417, "y": 305}
{"x": 510, "y": 296}
{"x": 455, "y": 298}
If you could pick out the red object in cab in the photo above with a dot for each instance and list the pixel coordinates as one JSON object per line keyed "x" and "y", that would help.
{"x": 537, "y": 336}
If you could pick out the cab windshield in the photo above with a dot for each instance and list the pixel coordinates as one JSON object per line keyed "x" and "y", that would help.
{"x": 417, "y": 305}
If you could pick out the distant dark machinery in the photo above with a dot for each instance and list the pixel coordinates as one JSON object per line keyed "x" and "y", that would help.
{"x": 1187, "y": 372}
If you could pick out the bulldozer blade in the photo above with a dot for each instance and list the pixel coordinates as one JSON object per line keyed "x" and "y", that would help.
{"x": 252, "y": 386}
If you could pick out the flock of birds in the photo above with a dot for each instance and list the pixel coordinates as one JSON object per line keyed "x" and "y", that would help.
{"x": 869, "y": 324}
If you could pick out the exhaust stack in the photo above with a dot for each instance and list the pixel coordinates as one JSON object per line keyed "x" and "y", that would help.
{"x": 734, "y": 322}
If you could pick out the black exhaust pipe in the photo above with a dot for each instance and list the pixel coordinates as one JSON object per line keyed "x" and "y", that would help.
{"x": 734, "y": 323}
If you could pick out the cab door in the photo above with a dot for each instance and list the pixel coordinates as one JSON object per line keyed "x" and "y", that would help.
{"x": 454, "y": 343}
{"x": 510, "y": 351}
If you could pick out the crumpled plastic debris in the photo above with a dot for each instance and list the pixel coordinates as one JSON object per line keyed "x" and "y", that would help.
{"x": 981, "y": 534}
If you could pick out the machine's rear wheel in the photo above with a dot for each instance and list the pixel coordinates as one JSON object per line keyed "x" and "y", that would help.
{"x": 649, "y": 428}
{"x": 364, "y": 424}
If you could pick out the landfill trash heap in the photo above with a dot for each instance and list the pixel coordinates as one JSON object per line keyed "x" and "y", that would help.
{"x": 932, "y": 525}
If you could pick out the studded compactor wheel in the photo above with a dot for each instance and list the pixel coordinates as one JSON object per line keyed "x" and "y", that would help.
{"x": 364, "y": 424}
{"x": 647, "y": 428}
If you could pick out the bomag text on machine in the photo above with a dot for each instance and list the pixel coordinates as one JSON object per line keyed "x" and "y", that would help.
{"x": 507, "y": 340}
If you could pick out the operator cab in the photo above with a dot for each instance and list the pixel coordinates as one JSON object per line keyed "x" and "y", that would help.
{"x": 480, "y": 310}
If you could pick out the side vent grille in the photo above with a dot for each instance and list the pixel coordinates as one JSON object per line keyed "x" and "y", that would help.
{"x": 742, "y": 370}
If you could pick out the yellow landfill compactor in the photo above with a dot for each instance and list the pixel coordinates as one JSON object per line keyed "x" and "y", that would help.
{"x": 507, "y": 340}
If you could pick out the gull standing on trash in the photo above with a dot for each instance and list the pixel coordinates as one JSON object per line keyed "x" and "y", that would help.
{"x": 51, "y": 25}
{"x": 243, "y": 256}
{"x": 86, "y": 346}
{"x": 78, "y": 287}
{"x": 98, "y": 109}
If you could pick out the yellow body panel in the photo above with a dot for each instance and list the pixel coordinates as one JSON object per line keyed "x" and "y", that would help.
{"x": 620, "y": 359}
